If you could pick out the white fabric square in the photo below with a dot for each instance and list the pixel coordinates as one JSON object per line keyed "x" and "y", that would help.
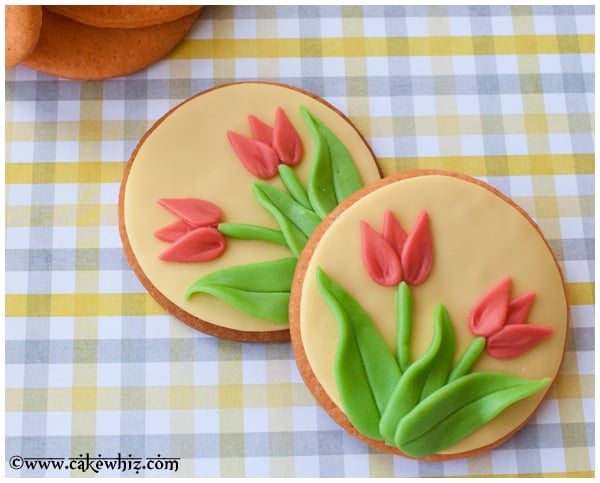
{"x": 424, "y": 106}
{"x": 21, "y": 152}
{"x": 206, "y": 421}
{"x": 68, "y": 111}
{"x": 463, "y": 65}
{"x": 506, "y": 64}
{"x": 16, "y": 283}
{"x": 18, "y": 194}
{"x": 511, "y": 103}
{"x": 467, "y": 105}
{"x": 25, "y": 112}
{"x": 288, "y": 28}
{"x": 459, "y": 26}
{"x": 553, "y": 460}
{"x": 157, "y": 374}
{"x": 108, "y": 422}
{"x": 380, "y": 106}
{"x": 418, "y": 27}
{"x": 60, "y": 375}
{"x": 544, "y": 24}
{"x": 255, "y": 372}
{"x": 334, "y": 66}
{"x": 58, "y": 423}
{"x": 560, "y": 143}
{"x": 428, "y": 146}
{"x": 472, "y": 145}
{"x": 577, "y": 270}
{"x": 246, "y": 68}
{"x": 113, "y": 110}
{"x": 516, "y": 144}
{"x": 108, "y": 374}
{"x": 550, "y": 64}
{"x": 502, "y": 25}
{"x": 256, "y": 420}
{"x": 420, "y": 65}
{"x": 157, "y": 422}
{"x": 521, "y": 186}
{"x": 66, "y": 194}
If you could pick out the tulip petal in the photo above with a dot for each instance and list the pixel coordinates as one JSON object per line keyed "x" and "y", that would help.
{"x": 489, "y": 312}
{"x": 193, "y": 211}
{"x": 257, "y": 157}
{"x": 380, "y": 259}
{"x": 513, "y": 340}
{"x": 417, "y": 252}
{"x": 393, "y": 233}
{"x": 174, "y": 231}
{"x": 286, "y": 140}
{"x": 200, "y": 245}
{"x": 518, "y": 308}
{"x": 261, "y": 131}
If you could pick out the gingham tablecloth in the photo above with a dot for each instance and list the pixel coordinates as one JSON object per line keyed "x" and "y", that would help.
{"x": 97, "y": 372}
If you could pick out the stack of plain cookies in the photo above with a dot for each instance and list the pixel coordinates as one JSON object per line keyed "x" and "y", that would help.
{"x": 93, "y": 42}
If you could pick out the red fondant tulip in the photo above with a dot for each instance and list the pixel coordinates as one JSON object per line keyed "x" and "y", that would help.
{"x": 193, "y": 211}
{"x": 286, "y": 140}
{"x": 417, "y": 252}
{"x": 257, "y": 157}
{"x": 394, "y": 256}
{"x": 513, "y": 340}
{"x": 269, "y": 146}
{"x": 489, "y": 313}
{"x": 200, "y": 245}
{"x": 502, "y": 321}
{"x": 174, "y": 231}
{"x": 379, "y": 257}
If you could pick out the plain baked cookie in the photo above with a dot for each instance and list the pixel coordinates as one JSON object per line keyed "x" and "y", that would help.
{"x": 428, "y": 316}
{"x": 123, "y": 16}
{"x": 73, "y": 50}
{"x": 22, "y": 25}
{"x": 242, "y": 218}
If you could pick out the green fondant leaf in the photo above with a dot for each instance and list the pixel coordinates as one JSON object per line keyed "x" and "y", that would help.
{"x": 458, "y": 409}
{"x": 293, "y": 185}
{"x": 442, "y": 363}
{"x": 423, "y": 372}
{"x": 261, "y": 290}
{"x": 296, "y": 222}
{"x": 333, "y": 174}
{"x": 365, "y": 367}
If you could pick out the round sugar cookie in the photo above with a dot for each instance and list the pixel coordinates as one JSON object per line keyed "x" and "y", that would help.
{"x": 73, "y": 50}
{"x": 123, "y": 16}
{"x": 22, "y": 25}
{"x": 189, "y": 155}
{"x": 400, "y": 282}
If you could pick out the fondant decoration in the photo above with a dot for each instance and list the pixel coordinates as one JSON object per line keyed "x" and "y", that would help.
{"x": 253, "y": 289}
{"x": 426, "y": 405}
{"x": 502, "y": 321}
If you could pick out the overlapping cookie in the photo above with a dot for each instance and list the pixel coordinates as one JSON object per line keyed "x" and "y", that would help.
{"x": 428, "y": 315}
{"x": 22, "y": 24}
{"x": 123, "y": 16}
{"x": 221, "y": 195}
{"x": 74, "y": 50}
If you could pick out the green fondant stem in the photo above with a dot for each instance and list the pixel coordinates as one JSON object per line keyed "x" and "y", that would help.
{"x": 468, "y": 359}
{"x": 252, "y": 232}
{"x": 404, "y": 321}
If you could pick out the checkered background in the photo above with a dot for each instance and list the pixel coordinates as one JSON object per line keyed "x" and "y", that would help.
{"x": 94, "y": 366}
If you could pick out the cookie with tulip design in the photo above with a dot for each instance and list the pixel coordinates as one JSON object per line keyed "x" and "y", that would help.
{"x": 428, "y": 315}
{"x": 221, "y": 195}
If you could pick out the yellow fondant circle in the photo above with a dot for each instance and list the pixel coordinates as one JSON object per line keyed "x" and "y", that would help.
{"x": 187, "y": 154}
{"x": 479, "y": 238}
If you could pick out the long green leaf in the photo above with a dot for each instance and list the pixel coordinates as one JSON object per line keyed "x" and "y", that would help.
{"x": 333, "y": 175}
{"x": 458, "y": 409}
{"x": 296, "y": 222}
{"x": 409, "y": 390}
{"x": 261, "y": 290}
{"x": 365, "y": 367}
